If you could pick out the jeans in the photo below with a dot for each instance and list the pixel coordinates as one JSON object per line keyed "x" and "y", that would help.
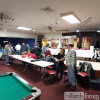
{"x": 44, "y": 49}
{"x": 59, "y": 69}
{"x": 6, "y": 59}
{"x": 71, "y": 75}
{"x": 47, "y": 59}
{"x": 12, "y": 51}
{"x": 18, "y": 52}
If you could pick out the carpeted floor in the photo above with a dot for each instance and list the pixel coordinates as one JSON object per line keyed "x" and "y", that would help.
{"x": 51, "y": 89}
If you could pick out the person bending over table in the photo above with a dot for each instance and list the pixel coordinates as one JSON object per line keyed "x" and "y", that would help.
{"x": 47, "y": 54}
{"x": 23, "y": 55}
{"x": 60, "y": 62}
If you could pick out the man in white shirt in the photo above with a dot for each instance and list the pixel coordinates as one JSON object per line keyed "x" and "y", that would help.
{"x": 18, "y": 49}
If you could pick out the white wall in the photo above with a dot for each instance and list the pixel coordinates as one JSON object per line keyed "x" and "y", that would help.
{"x": 17, "y": 34}
{"x": 51, "y": 36}
{"x": 56, "y": 36}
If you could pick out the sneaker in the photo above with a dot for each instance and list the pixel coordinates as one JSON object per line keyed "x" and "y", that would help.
{"x": 68, "y": 83}
{"x": 66, "y": 80}
{"x": 7, "y": 64}
{"x": 73, "y": 87}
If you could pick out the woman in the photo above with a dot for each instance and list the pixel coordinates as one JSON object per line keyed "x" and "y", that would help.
{"x": 47, "y": 54}
{"x": 60, "y": 62}
{"x": 30, "y": 55}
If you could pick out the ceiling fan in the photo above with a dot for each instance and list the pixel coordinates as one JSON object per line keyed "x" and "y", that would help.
{"x": 53, "y": 28}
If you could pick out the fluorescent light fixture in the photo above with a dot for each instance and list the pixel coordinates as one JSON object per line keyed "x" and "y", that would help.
{"x": 77, "y": 31}
{"x": 70, "y": 17}
{"x": 24, "y": 28}
{"x": 98, "y": 31}
{"x": 33, "y": 30}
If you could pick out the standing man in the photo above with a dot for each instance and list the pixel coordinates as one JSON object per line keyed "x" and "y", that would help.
{"x": 18, "y": 49}
{"x": 23, "y": 47}
{"x": 7, "y": 52}
{"x": 70, "y": 58}
{"x": 37, "y": 50}
{"x": 44, "y": 44}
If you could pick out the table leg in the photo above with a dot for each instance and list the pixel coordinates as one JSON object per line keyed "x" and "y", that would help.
{"x": 43, "y": 73}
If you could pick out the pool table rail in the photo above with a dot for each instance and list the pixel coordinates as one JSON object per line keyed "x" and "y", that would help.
{"x": 34, "y": 94}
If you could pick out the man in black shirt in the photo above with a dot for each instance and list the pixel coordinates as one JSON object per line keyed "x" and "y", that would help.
{"x": 37, "y": 50}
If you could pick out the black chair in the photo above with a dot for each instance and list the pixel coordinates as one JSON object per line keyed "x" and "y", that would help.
{"x": 85, "y": 74}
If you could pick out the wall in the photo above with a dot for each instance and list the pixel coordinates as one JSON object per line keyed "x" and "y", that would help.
{"x": 69, "y": 38}
{"x": 16, "y": 37}
{"x": 56, "y": 36}
{"x": 15, "y": 41}
{"x": 17, "y": 34}
{"x": 93, "y": 35}
{"x": 51, "y": 36}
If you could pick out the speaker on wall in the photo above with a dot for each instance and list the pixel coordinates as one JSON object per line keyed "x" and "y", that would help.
{"x": 40, "y": 37}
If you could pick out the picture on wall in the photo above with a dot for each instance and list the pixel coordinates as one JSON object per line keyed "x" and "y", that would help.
{"x": 54, "y": 43}
{"x": 86, "y": 42}
{"x": 75, "y": 42}
{"x": 64, "y": 42}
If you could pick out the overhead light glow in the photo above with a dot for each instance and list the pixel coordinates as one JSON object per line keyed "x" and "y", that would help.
{"x": 5, "y": 30}
{"x": 33, "y": 30}
{"x": 24, "y": 28}
{"x": 70, "y": 18}
{"x": 98, "y": 31}
{"x": 77, "y": 31}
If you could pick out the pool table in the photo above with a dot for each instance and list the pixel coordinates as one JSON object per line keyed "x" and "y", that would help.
{"x": 13, "y": 87}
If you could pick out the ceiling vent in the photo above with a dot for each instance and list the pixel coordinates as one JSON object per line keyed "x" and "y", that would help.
{"x": 47, "y": 9}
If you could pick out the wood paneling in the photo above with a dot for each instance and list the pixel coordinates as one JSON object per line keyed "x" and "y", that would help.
{"x": 93, "y": 35}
